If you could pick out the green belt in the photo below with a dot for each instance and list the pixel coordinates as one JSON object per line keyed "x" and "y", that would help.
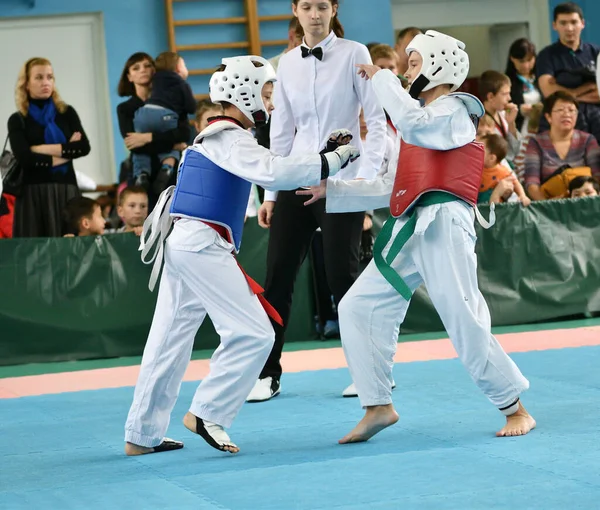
{"x": 407, "y": 230}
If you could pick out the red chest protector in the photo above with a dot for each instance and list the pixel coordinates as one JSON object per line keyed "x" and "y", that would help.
{"x": 456, "y": 171}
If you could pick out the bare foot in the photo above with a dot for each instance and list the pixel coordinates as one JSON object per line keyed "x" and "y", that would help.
{"x": 212, "y": 433}
{"x": 375, "y": 420}
{"x": 517, "y": 424}
{"x": 133, "y": 449}
{"x": 167, "y": 445}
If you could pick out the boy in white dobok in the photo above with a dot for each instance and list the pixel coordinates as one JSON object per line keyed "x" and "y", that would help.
{"x": 201, "y": 275}
{"x": 429, "y": 239}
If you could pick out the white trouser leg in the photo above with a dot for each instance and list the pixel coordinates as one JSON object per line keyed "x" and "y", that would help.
{"x": 244, "y": 327}
{"x": 370, "y": 315}
{"x": 177, "y": 317}
{"x": 447, "y": 262}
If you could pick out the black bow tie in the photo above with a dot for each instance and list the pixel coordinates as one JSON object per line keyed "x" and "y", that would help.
{"x": 316, "y": 52}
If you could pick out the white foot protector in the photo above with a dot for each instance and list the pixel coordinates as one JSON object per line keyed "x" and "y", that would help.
{"x": 213, "y": 434}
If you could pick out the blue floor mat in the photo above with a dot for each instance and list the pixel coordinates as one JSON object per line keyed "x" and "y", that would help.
{"x": 66, "y": 451}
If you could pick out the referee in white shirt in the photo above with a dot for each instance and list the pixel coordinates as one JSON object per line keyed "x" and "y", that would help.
{"x": 317, "y": 91}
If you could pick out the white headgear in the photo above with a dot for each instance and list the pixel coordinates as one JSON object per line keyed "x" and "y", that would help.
{"x": 444, "y": 61}
{"x": 241, "y": 84}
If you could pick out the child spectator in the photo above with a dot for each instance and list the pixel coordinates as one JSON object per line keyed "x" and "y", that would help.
{"x": 584, "y": 186}
{"x": 132, "y": 209}
{"x": 385, "y": 57}
{"x": 494, "y": 91}
{"x": 494, "y": 172}
{"x": 486, "y": 126}
{"x": 204, "y": 111}
{"x": 171, "y": 98}
{"x": 84, "y": 217}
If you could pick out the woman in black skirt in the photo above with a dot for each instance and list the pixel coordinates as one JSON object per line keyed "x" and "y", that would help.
{"x": 45, "y": 136}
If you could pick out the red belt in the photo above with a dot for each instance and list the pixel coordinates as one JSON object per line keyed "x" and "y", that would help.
{"x": 254, "y": 286}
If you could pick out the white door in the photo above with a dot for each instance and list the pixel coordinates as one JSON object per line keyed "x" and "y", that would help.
{"x": 75, "y": 46}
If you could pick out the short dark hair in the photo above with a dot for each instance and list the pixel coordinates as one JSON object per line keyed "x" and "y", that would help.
{"x": 125, "y": 87}
{"x": 78, "y": 208}
{"x": 408, "y": 31}
{"x": 580, "y": 181}
{"x": 496, "y": 145}
{"x": 491, "y": 82}
{"x": 567, "y": 8}
{"x": 559, "y": 95}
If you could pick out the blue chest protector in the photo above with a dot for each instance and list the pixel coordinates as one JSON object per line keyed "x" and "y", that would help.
{"x": 207, "y": 192}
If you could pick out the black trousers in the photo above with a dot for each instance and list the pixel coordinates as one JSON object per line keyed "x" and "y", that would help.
{"x": 292, "y": 228}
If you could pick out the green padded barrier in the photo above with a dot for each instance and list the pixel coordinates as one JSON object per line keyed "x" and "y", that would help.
{"x": 84, "y": 298}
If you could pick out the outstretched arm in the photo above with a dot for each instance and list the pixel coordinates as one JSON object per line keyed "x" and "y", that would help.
{"x": 241, "y": 155}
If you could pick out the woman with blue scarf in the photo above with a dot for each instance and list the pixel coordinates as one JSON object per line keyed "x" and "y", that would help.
{"x": 45, "y": 136}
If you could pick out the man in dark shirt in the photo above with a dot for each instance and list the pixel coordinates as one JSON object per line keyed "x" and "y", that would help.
{"x": 570, "y": 65}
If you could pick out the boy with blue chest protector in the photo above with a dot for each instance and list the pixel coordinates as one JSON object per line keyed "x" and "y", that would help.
{"x": 201, "y": 275}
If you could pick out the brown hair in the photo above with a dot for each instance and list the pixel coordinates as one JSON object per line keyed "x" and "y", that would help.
{"x": 336, "y": 25}
{"x": 412, "y": 31}
{"x": 167, "y": 61}
{"x": 382, "y": 51}
{"x": 559, "y": 95}
{"x": 78, "y": 208}
{"x": 496, "y": 145}
{"x": 486, "y": 120}
{"x": 131, "y": 190}
{"x": 204, "y": 106}
{"x": 491, "y": 82}
{"x": 125, "y": 87}
{"x": 535, "y": 116}
{"x": 21, "y": 94}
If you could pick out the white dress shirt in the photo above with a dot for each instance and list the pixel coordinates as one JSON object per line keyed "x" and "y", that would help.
{"x": 443, "y": 124}
{"x": 313, "y": 98}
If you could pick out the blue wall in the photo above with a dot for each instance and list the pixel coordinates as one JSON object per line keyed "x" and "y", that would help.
{"x": 139, "y": 25}
{"x": 591, "y": 13}
{"x": 130, "y": 26}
